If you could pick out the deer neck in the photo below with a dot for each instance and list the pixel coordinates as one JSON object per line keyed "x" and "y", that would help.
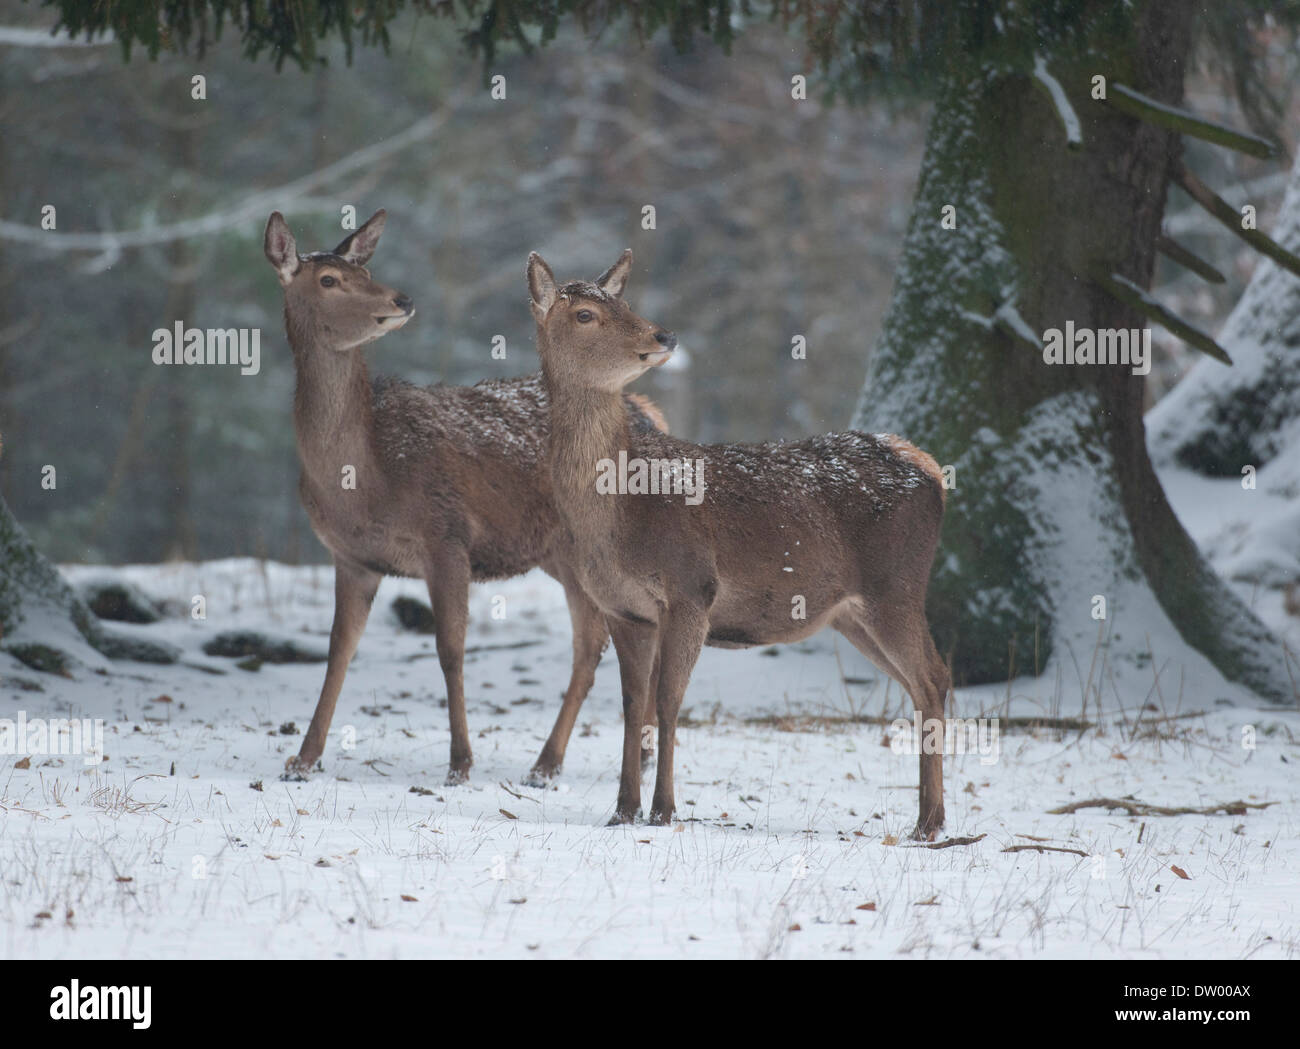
{"x": 587, "y": 426}
{"x": 332, "y": 414}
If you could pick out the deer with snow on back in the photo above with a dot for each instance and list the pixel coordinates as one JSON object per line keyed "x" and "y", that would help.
{"x": 839, "y": 530}
{"x": 444, "y": 483}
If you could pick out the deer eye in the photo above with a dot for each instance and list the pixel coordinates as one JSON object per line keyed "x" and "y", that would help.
{"x": 585, "y": 316}
{"x": 327, "y": 281}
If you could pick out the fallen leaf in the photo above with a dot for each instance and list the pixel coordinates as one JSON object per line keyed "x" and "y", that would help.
{"x": 1180, "y": 872}
{"x": 409, "y": 899}
{"x": 933, "y": 901}
{"x": 123, "y": 877}
{"x": 889, "y": 839}
{"x": 507, "y": 815}
{"x": 866, "y": 906}
{"x": 23, "y": 763}
{"x": 796, "y": 927}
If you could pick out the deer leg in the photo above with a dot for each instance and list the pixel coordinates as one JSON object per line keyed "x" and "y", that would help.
{"x": 449, "y": 595}
{"x": 590, "y": 636}
{"x": 681, "y": 638}
{"x": 354, "y": 591}
{"x": 903, "y": 641}
{"x": 649, "y": 729}
{"x": 635, "y": 644}
{"x": 859, "y": 637}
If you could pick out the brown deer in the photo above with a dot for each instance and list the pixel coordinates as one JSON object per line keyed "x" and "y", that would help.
{"x": 446, "y": 483}
{"x": 742, "y": 545}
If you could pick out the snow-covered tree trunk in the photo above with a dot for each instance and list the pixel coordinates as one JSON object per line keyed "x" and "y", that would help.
{"x": 1056, "y": 507}
{"x": 44, "y": 624}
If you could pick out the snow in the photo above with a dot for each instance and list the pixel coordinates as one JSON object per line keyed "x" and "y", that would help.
{"x": 1069, "y": 118}
{"x": 782, "y": 822}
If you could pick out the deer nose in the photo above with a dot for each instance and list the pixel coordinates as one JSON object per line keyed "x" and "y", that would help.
{"x": 403, "y": 302}
{"x": 666, "y": 339}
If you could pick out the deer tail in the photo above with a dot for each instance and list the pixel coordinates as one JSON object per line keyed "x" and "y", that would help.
{"x": 646, "y": 416}
{"x": 923, "y": 461}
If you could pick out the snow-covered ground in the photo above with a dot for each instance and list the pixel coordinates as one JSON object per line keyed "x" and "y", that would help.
{"x": 790, "y": 841}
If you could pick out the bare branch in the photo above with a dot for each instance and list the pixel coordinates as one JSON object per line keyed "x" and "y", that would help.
{"x": 1138, "y": 105}
{"x": 1171, "y": 249}
{"x": 1130, "y": 294}
{"x": 1069, "y": 118}
{"x": 254, "y": 205}
{"x": 1141, "y": 808}
{"x": 1231, "y": 218}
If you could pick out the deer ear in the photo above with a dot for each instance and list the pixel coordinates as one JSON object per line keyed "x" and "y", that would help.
{"x": 357, "y": 247}
{"x": 614, "y": 279}
{"x": 541, "y": 285}
{"x": 281, "y": 250}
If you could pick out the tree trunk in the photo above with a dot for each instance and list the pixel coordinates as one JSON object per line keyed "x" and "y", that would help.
{"x": 1056, "y": 503}
{"x": 44, "y": 624}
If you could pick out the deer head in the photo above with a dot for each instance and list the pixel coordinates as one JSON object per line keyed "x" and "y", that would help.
{"x": 329, "y": 295}
{"x": 587, "y": 335}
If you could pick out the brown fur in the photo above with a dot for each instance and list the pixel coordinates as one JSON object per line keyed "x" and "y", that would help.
{"x": 848, "y": 523}
{"x": 451, "y": 484}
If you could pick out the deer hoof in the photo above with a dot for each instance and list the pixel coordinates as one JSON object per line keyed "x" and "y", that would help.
{"x": 457, "y": 777}
{"x": 540, "y": 776}
{"x": 926, "y": 833}
{"x": 622, "y": 819}
{"x": 297, "y": 770}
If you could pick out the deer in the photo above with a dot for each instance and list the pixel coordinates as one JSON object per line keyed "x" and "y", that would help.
{"x": 838, "y": 530}
{"x": 443, "y": 483}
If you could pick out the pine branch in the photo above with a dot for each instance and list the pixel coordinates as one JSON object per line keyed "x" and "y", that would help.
{"x": 1231, "y": 218}
{"x": 1130, "y": 294}
{"x": 1138, "y": 105}
{"x": 1171, "y": 249}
